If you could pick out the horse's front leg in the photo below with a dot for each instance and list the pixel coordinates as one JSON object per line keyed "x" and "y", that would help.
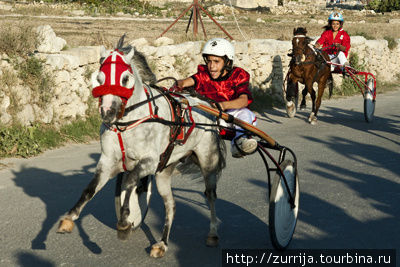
{"x": 163, "y": 181}
{"x": 313, "y": 115}
{"x": 105, "y": 170}
{"x": 321, "y": 88}
{"x": 303, "y": 100}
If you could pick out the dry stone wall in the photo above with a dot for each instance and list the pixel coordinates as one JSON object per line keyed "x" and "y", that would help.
{"x": 265, "y": 59}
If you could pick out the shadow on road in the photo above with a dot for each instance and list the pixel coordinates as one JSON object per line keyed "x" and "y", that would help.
{"x": 59, "y": 193}
{"x": 26, "y": 259}
{"x": 376, "y": 193}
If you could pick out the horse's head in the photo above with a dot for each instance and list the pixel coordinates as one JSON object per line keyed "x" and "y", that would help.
{"x": 114, "y": 83}
{"x": 300, "y": 44}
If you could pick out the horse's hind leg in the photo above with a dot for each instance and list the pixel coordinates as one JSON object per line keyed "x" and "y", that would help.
{"x": 211, "y": 195}
{"x": 163, "y": 180}
{"x": 210, "y": 165}
{"x": 104, "y": 171}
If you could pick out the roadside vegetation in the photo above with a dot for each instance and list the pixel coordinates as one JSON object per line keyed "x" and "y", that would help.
{"x": 22, "y": 141}
{"x": 17, "y": 43}
{"x": 384, "y": 5}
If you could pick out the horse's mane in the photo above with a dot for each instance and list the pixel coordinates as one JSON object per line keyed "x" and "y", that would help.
{"x": 139, "y": 61}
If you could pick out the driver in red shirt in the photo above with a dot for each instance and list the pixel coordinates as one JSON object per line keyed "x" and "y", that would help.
{"x": 336, "y": 39}
{"x": 219, "y": 80}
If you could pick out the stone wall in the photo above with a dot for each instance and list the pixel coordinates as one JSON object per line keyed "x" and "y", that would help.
{"x": 265, "y": 59}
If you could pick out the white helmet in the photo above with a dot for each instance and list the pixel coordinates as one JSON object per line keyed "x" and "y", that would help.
{"x": 219, "y": 47}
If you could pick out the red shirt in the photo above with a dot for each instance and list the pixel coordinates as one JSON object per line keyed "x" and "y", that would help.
{"x": 342, "y": 38}
{"x": 226, "y": 88}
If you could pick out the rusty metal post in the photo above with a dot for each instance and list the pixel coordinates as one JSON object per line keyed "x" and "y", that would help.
{"x": 195, "y": 20}
{"x": 216, "y": 22}
{"x": 173, "y": 23}
{"x": 196, "y": 17}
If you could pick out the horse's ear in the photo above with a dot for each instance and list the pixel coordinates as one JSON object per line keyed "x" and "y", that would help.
{"x": 103, "y": 51}
{"x": 294, "y": 31}
{"x": 305, "y": 31}
{"x": 121, "y": 41}
{"x": 129, "y": 56}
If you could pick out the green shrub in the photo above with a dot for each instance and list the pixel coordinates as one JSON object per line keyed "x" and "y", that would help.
{"x": 32, "y": 73}
{"x": 262, "y": 100}
{"x": 349, "y": 87}
{"x": 392, "y": 44}
{"x": 17, "y": 39}
{"x": 384, "y": 5}
{"x": 22, "y": 141}
{"x": 364, "y": 34}
{"x": 114, "y": 6}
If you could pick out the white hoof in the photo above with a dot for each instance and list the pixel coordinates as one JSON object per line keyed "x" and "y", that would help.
{"x": 290, "y": 109}
{"x": 158, "y": 250}
{"x": 312, "y": 119}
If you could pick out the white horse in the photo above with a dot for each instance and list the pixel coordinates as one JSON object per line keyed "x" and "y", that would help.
{"x": 131, "y": 145}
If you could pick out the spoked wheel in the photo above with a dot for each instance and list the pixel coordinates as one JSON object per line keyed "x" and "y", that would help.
{"x": 369, "y": 101}
{"x": 282, "y": 215}
{"x": 138, "y": 202}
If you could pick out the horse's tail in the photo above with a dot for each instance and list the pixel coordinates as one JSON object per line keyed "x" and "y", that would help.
{"x": 330, "y": 84}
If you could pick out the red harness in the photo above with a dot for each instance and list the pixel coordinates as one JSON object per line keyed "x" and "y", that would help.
{"x": 113, "y": 68}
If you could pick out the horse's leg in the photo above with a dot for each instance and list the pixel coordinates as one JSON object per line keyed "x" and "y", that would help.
{"x": 209, "y": 161}
{"x": 163, "y": 181}
{"x": 104, "y": 171}
{"x": 312, "y": 119}
{"x": 123, "y": 226}
{"x": 291, "y": 97}
{"x": 303, "y": 100}
{"x": 321, "y": 88}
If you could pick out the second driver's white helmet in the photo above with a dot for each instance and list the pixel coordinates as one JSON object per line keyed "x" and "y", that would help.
{"x": 219, "y": 47}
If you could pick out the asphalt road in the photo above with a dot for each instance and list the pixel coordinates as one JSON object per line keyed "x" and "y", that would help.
{"x": 349, "y": 182}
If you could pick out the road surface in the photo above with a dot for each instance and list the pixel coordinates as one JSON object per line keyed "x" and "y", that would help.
{"x": 349, "y": 182}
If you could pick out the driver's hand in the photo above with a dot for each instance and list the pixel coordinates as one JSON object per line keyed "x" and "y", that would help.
{"x": 176, "y": 88}
{"x": 318, "y": 45}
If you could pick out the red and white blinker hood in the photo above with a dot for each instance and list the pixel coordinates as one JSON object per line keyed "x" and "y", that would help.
{"x": 113, "y": 69}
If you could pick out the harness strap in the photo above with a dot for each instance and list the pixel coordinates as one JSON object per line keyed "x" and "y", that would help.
{"x": 121, "y": 145}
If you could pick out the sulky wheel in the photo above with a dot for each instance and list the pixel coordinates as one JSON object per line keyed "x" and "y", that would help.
{"x": 138, "y": 202}
{"x": 282, "y": 215}
{"x": 369, "y": 101}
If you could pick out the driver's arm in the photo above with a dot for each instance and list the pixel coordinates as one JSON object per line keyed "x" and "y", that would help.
{"x": 188, "y": 82}
{"x": 240, "y": 102}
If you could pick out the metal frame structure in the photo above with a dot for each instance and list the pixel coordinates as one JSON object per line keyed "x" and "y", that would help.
{"x": 196, "y": 16}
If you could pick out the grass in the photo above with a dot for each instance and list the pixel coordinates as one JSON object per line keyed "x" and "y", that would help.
{"x": 392, "y": 44}
{"x": 17, "y": 39}
{"x": 22, "y": 141}
{"x": 31, "y": 72}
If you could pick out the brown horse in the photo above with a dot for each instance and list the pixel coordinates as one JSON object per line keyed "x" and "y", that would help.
{"x": 308, "y": 65}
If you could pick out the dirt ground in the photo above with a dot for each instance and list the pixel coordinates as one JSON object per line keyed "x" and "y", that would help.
{"x": 81, "y": 31}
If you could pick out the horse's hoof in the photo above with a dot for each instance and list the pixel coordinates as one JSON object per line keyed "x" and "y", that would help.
{"x": 212, "y": 241}
{"x": 290, "y": 109}
{"x": 313, "y": 121}
{"x": 65, "y": 226}
{"x": 123, "y": 231}
{"x": 158, "y": 250}
{"x": 303, "y": 107}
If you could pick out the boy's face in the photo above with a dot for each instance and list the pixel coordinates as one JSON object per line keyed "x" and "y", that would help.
{"x": 215, "y": 65}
